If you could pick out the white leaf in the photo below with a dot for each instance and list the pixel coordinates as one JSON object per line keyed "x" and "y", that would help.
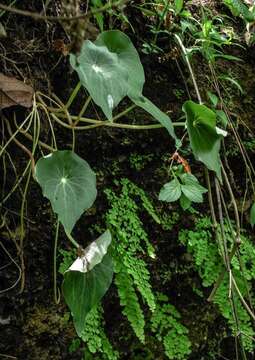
{"x": 93, "y": 254}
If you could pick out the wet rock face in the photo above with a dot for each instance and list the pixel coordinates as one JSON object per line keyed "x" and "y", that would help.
{"x": 31, "y": 326}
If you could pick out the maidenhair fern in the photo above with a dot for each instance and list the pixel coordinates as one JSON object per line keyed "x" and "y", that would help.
{"x": 165, "y": 323}
{"x": 132, "y": 275}
{"x": 130, "y": 249}
{"x": 130, "y": 239}
{"x": 201, "y": 244}
{"x": 94, "y": 336}
{"x": 129, "y": 300}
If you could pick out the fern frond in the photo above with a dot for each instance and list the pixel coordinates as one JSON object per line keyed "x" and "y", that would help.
{"x": 165, "y": 322}
{"x": 141, "y": 277}
{"x": 208, "y": 262}
{"x": 130, "y": 303}
{"x": 94, "y": 336}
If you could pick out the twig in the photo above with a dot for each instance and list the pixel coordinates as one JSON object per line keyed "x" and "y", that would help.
{"x": 37, "y": 16}
{"x": 242, "y": 299}
{"x": 190, "y": 68}
{"x": 223, "y": 235}
{"x": 18, "y": 267}
{"x": 23, "y": 147}
{"x": 9, "y": 356}
{"x": 237, "y": 238}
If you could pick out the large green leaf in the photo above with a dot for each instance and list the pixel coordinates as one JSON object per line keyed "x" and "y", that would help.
{"x": 69, "y": 183}
{"x": 120, "y": 44}
{"x": 82, "y": 291}
{"x": 170, "y": 191}
{"x": 109, "y": 68}
{"x": 204, "y": 138}
{"x": 88, "y": 279}
{"x": 152, "y": 109}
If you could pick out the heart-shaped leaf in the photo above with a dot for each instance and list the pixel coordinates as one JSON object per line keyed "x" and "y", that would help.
{"x": 204, "y": 139}
{"x": 119, "y": 43}
{"x": 69, "y": 183}
{"x": 109, "y": 68}
{"x": 170, "y": 191}
{"x": 84, "y": 288}
{"x": 82, "y": 291}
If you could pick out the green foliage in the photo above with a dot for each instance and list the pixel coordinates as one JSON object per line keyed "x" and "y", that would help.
{"x": 68, "y": 258}
{"x": 244, "y": 326}
{"x": 178, "y": 5}
{"x": 185, "y": 187}
{"x": 167, "y": 221}
{"x": 201, "y": 244}
{"x": 165, "y": 323}
{"x": 238, "y": 8}
{"x": 138, "y": 161}
{"x": 132, "y": 275}
{"x": 110, "y": 69}
{"x": 191, "y": 189}
{"x": 204, "y": 138}
{"x": 171, "y": 191}
{"x": 94, "y": 335}
{"x": 168, "y": 16}
{"x": 83, "y": 290}
{"x": 98, "y": 16}
{"x": 75, "y": 344}
{"x": 69, "y": 183}
{"x": 205, "y": 252}
{"x": 129, "y": 240}
{"x": 129, "y": 300}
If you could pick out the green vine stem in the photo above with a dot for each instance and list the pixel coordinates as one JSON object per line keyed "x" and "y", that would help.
{"x": 56, "y": 290}
{"x": 107, "y": 123}
{"x": 73, "y": 95}
{"x": 83, "y": 109}
{"x": 94, "y": 123}
{"x": 74, "y": 242}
